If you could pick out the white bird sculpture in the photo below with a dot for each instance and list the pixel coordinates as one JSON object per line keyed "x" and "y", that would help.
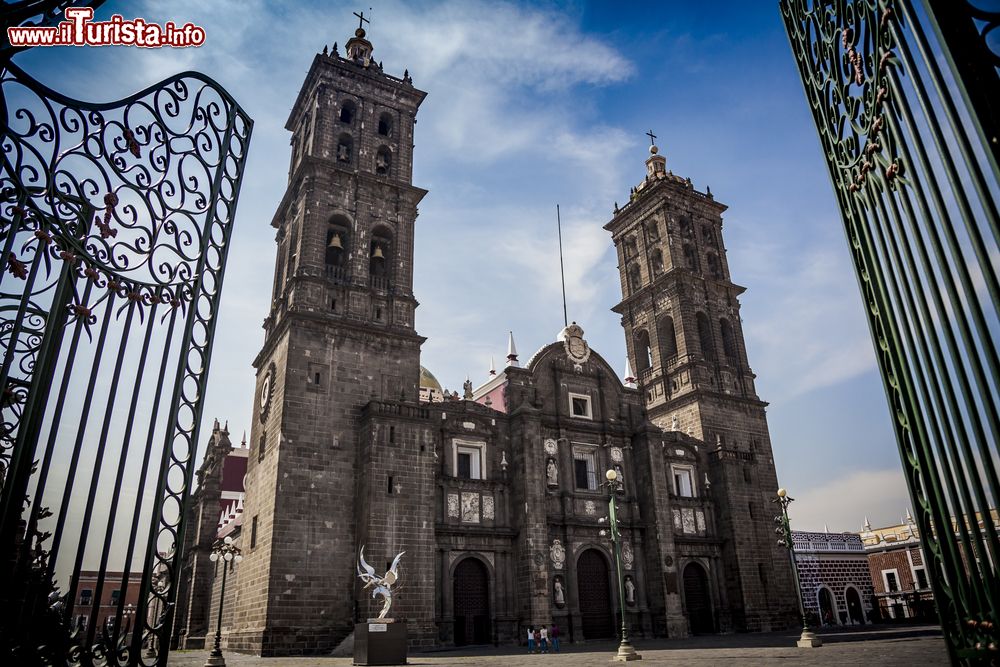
{"x": 383, "y": 585}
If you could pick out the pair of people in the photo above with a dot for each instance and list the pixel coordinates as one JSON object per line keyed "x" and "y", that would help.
{"x": 538, "y": 639}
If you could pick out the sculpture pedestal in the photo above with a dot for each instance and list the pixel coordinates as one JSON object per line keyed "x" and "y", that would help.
{"x": 380, "y": 642}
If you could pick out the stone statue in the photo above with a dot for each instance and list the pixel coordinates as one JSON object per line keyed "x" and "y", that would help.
{"x": 621, "y": 475}
{"x": 629, "y": 591}
{"x": 560, "y": 594}
{"x": 467, "y": 389}
{"x": 552, "y": 473}
{"x": 382, "y": 585}
{"x": 674, "y": 423}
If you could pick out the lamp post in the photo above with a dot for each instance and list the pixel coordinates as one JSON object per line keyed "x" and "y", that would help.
{"x": 228, "y": 552}
{"x": 625, "y": 651}
{"x": 784, "y": 529}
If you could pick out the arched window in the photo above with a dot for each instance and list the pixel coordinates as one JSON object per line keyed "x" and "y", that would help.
{"x": 714, "y": 267}
{"x": 385, "y": 125}
{"x": 667, "y": 338}
{"x": 634, "y": 277}
{"x": 656, "y": 259}
{"x": 380, "y": 258}
{"x": 347, "y": 112}
{"x": 630, "y": 247}
{"x": 728, "y": 341}
{"x": 643, "y": 355}
{"x": 690, "y": 257}
{"x": 653, "y": 230}
{"x": 383, "y": 161}
{"x": 685, "y": 225}
{"x": 338, "y": 244}
{"x": 345, "y": 149}
{"x": 705, "y": 337}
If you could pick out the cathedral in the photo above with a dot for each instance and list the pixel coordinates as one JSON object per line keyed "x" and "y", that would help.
{"x": 495, "y": 496}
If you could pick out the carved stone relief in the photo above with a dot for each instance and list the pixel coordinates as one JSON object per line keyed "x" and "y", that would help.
{"x": 488, "y": 510}
{"x": 558, "y": 554}
{"x": 453, "y": 505}
{"x": 470, "y": 507}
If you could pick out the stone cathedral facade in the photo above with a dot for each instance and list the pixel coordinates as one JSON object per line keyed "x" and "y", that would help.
{"x": 496, "y": 497}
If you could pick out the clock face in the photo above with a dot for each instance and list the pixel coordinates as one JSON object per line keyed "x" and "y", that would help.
{"x": 265, "y": 392}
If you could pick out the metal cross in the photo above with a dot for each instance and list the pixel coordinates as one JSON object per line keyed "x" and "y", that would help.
{"x": 652, "y": 138}
{"x": 361, "y": 19}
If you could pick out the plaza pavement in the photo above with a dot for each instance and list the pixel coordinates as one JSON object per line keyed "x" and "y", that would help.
{"x": 892, "y": 645}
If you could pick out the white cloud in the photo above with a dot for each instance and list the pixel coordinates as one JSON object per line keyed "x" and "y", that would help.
{"x": 843, "y": 503}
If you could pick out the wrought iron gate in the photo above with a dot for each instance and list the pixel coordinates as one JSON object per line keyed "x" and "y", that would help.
{"x": 115, "y": 225}
{"x": 905, "y": 97}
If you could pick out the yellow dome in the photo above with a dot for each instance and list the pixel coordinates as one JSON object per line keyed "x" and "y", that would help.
{"x": 428, "y": 381}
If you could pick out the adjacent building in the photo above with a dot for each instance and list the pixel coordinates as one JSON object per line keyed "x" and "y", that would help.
{"x": 834, "y": 576}
{"x": 496, "y": 497}
{"x": 96, "y": 598}
{"x": 897, "y": 570}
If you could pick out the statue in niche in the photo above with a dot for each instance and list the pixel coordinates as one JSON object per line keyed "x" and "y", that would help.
{"x": 629, "y": 591}
{"x": 621, "y": 475}
{"x": 674, "y": 423}
{"x": 559, "y": 592}
{"x": 552, "y": 473}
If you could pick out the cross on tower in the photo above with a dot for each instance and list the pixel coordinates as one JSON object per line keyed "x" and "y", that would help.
{"x": 361, "y": 19}
{"x": 652, "y": 138}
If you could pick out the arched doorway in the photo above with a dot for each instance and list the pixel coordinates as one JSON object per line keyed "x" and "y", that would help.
{"x": 594, "y": 594}
{"x": 827, "y": 607}
{"x": 854, "y": 609}
{"x": 472, "y": 603}
{"x": 698, "y": 599}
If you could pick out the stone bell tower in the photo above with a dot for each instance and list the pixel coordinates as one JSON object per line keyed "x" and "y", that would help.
{"x": 684, "y": 334}
{"x": 340, "y": 332}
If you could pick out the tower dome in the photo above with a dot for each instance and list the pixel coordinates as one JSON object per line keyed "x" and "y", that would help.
{"x": 428, "y": 381}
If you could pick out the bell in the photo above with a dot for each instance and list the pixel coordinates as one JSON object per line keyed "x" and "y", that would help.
{"x": 335, "y": 242}
{"x": 378, "y": 253}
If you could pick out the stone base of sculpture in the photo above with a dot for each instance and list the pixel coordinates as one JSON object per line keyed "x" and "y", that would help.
{"x": 380, "y": 642}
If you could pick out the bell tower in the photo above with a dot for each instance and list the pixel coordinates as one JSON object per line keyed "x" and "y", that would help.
{"x": 683, "y": 332}
{"x": 339, "y": 333}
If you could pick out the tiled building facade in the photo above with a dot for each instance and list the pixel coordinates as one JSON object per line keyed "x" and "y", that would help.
{"x": 496, "y": 498}
{"x": 833, "y": 574}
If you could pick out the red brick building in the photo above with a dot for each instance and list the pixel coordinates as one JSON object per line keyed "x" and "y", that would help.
{"x": 95, "y": 603}
{"x": 896, "y": 564}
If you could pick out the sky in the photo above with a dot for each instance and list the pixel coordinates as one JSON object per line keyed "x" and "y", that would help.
{"x": 536, "y": 104}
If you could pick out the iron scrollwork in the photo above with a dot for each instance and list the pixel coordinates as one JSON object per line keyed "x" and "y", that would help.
{"x": 115, "y": 219}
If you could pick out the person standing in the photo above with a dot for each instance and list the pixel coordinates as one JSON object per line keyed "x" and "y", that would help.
{"x": 554, "y": 634}
{"x": 544, "y": 645}
{"x": 538, "y": 639}
{"x": 531, "y": 639}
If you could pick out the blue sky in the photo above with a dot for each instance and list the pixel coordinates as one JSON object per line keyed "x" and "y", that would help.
{"x": 536, "y": 104}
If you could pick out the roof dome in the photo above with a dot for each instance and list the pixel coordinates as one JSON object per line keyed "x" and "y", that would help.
{"x": 428, "y": 381}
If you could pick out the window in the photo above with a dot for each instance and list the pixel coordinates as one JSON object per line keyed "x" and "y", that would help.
{"x": 261, "y": 447}
{"x": 585, "y": 468}
{"x": 345, "y": 149}
{"x": 683, "y": 481}
{"x": 86, "y": 596}
{"x": 667, "y": 336}
{"x": 385, "y": 125}
{"x": 253, "y": 533}
{"x": 115, "y": 595}
{"x": 468, "y": 457}
{"x": 746, "y": 474}
{"x": 656, "y": 259}
{"x": 383, "y": 161}
{"x": 728, "y": 341}
{"x": 81, "y": 621}
{"x": 921, "y": 575}
{"x": 388, "y": 486}
{"x": 653, "y": 231}
{"x": 643, "y": 355}
{"x": 690, "y": 257}
{"x": 579, "y": 406}
{"x": 891, "y": 578}
{"x": 347, "y": 112}
{"x": 705, "y": 337}
{"x": 634, "y": 277}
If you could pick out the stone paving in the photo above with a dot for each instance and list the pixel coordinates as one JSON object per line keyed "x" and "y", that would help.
{"x": 920, "y": 645}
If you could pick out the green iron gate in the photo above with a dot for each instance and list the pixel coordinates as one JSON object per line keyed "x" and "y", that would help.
{"x": 115, "y": 225}
{"x": 905, "y": 97}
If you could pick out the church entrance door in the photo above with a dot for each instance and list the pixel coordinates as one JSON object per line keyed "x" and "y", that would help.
{"x": 594, "y": 587}
{"x": 698, "y": 600}
{"x": 854, "y": 608}
{"x": 827, "y": 607}
{"x": 472, "y": 603}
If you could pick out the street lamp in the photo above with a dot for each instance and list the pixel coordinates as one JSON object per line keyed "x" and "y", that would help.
{"x": 784, "y": 529}
{"x": 228, "y": 552}
{"x": 625, "y": 650}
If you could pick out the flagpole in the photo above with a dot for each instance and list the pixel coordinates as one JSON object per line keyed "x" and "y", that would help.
{"x": 562, "y": 271}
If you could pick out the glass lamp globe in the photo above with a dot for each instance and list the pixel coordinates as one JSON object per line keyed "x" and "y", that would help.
{"x": 228, "y": 556}
{"x": 213, "y": 557}
{"x": 239, "y": 558}
{"x": 782, "y": 493}
{"x": 612, "y": 475}
{"x": 228, "y": 540}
